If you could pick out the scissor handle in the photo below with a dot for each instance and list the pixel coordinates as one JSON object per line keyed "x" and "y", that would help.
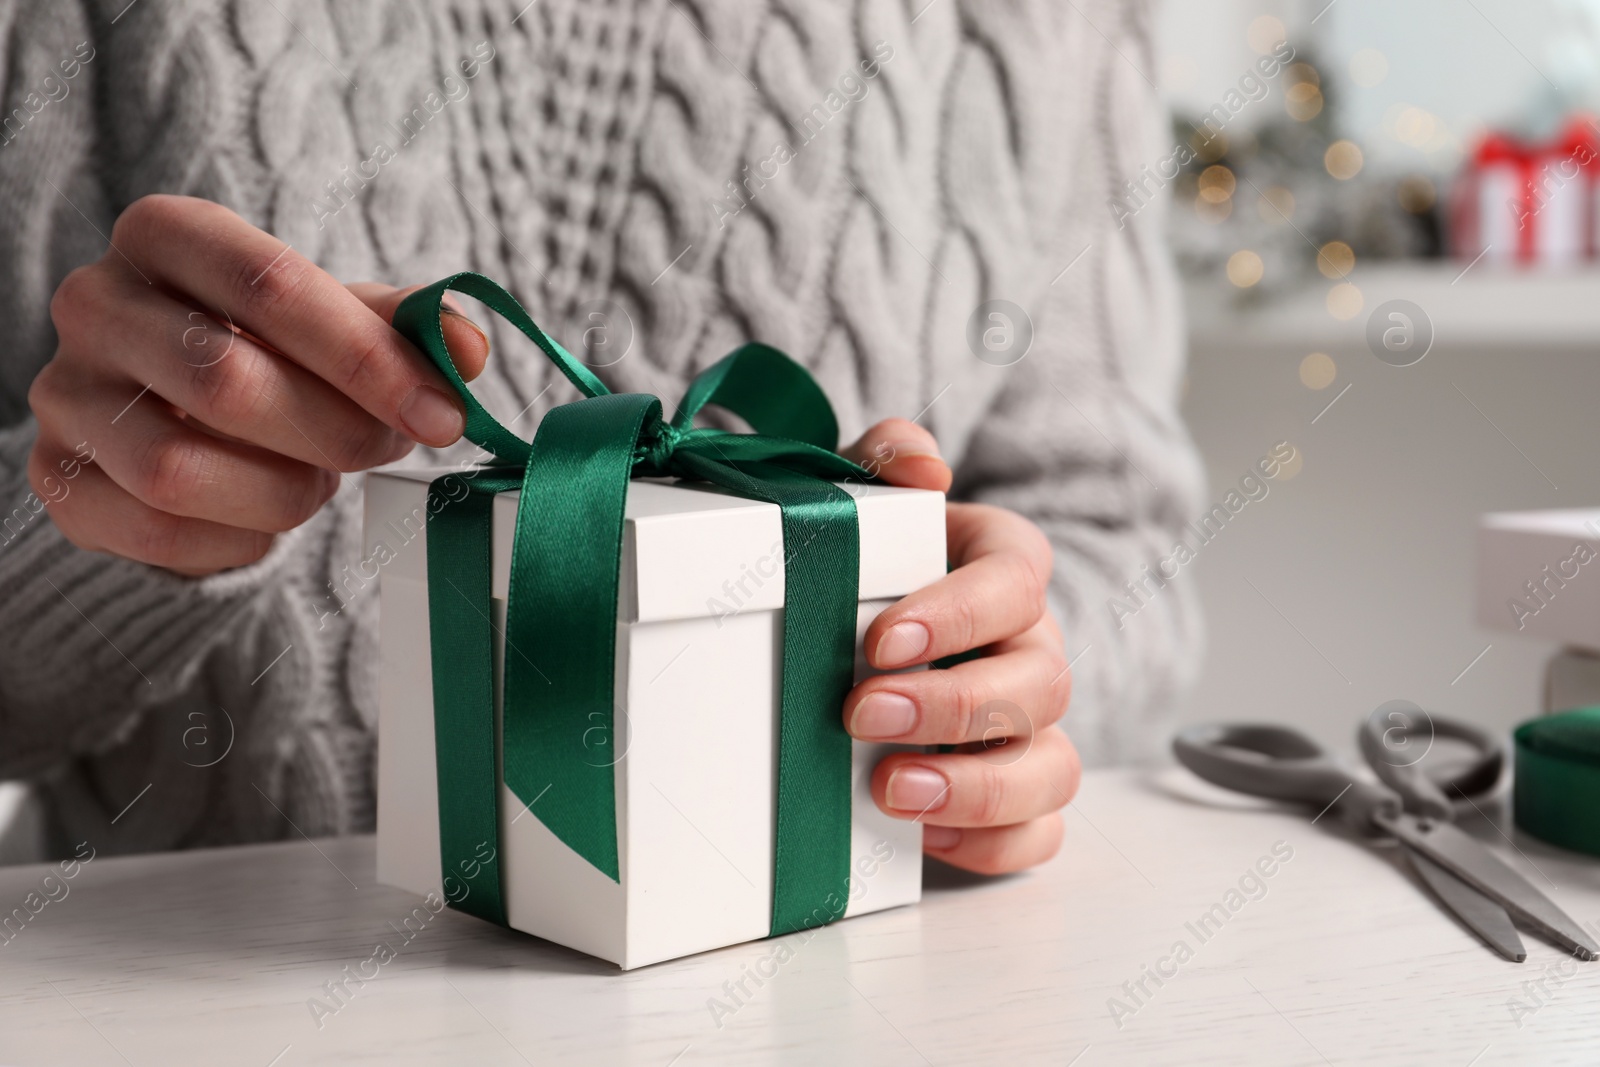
{"x": 1283, "y": 764}
{"x": 1396, "y": 744}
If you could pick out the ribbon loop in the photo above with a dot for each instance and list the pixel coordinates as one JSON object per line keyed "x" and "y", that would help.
{"x": 417, "y": 319}
{"x": 557, "y": 749}
{"x": 770, "y": 391}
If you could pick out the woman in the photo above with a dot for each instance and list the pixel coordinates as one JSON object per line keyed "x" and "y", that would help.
{"x": 912, "y": 203}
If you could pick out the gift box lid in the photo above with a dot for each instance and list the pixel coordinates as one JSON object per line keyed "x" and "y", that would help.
{"x": 1539, "y": 574}
{"x": 688, "y": 550}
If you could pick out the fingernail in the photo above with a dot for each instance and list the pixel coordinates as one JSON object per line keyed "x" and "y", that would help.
{"x": 887, "y": 452}
{"x": 882, "y": 715}
{"x": 916, "y": 789}
{"x": 431, "y": 417}
{"x": 904, "y": 642}
{"x": 940, "y": 838}
{"x": 908, "y": 448}
{"x": 453, "y": 313}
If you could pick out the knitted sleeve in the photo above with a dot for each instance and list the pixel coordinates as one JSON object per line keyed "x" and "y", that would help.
{"x": 88, "y": 641}
{"x": 1085, "y": 438}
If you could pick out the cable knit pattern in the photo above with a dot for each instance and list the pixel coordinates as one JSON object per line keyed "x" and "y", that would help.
{"x": 846, "y": 179}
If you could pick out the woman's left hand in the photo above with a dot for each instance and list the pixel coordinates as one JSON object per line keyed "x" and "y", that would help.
{"x": 993, "y": 805}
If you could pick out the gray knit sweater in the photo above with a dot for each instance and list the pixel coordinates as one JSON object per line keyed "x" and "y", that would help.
{"x": 846, "y": 179}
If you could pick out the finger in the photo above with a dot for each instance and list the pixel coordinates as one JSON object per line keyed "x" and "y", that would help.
{"x": 901, "y": 453}
{"x": 997, "y": 849}
{"x": 1022, "y": 686}
{"x": 224, "y": 378}
{"x": 996, "y": 591}
{"x": 464, "y": 339}
{"x": 267, "y": 288}
{"x": 97, "y": 515}
{"x": 996, "y": 787}
{"x": 170, "y": 465}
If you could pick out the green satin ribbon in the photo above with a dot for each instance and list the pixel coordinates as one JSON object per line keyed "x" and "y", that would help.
{"x": 1556, "y": 791}
{"x": 561, "y": 612}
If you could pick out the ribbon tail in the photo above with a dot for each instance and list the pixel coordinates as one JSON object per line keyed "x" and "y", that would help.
{"x": 460, "y": 627}
{"x": 561, "y": 621}
{"x": 821, "y": 550}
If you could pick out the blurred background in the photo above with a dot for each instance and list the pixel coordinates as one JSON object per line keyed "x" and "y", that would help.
{"x": 1389, "y": 250}
{"x": 1387, "y": 220}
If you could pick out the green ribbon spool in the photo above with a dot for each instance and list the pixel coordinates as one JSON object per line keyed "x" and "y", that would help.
{"x": 1556, "y": 793}
{"x": 561, "y": 611}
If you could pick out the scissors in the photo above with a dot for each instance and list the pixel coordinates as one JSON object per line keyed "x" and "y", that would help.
{"x": 1412, "y": 807}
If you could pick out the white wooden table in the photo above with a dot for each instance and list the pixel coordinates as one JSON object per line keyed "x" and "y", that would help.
{"x": 212, "y": 957}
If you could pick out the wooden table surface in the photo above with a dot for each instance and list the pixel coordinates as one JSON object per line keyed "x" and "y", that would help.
{"x": 218, "y": 957}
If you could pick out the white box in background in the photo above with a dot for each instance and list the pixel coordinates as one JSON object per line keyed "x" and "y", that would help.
{"x": 1539, "y": 574}
{"x": 696, "y": 779}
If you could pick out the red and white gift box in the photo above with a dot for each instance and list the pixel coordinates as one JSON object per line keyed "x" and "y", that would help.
{"x": 1530, "y": 204}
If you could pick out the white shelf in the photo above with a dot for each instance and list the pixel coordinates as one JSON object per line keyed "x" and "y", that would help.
{"x": 1487, "y": 307}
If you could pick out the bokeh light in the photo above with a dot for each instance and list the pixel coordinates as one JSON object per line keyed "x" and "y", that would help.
{"x": 1335, "y": 259}
{"x": 1345, "y": 301}
{"x": 1303, "y": 101}
{"x": 1317, "y": 371}
{"x": 1265, "y": 34}
{"x": 1216, "y": 184}
{"x": 1343, "y": 160}
{"x": 1416, "y": 127}
{"x": 1245, "y": 268}
{"x": 1302, "y": 72}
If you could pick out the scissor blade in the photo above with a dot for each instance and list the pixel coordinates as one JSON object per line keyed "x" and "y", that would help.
{"x": 1482, "y": 870}
{"x": 1480, "y": 914}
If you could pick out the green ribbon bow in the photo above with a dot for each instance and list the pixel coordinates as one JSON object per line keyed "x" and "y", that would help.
{"x": 561, "y": 611}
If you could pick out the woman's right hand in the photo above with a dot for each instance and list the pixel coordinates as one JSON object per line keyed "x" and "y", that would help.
{"x": 221, "y": 382}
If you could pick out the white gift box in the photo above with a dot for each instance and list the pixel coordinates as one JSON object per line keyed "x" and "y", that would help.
{"x": 699, "y": 646}
{"x": 1530, "y": 203}
{"x": 1539, "y": 574}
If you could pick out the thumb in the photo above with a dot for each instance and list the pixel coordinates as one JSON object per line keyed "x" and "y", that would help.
{"x": 464, "y": 339}
{"x": 902, "y": 453}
